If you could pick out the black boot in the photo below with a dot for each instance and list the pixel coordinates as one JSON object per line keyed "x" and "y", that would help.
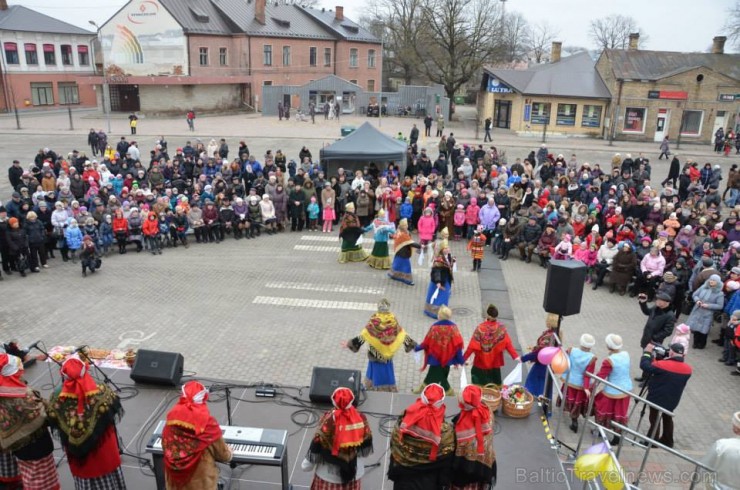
{"x": 574, "y": 425}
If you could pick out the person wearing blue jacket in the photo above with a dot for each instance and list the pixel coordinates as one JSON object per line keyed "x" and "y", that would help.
{"x": 73, "y": 236}
{"x": 407, "y": 210}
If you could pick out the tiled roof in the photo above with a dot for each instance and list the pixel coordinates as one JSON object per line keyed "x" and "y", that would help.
{"x": 199, "y": 17}
{"x": 654, "y": 65}
{"x": 345, "y": 29}
{"x": 280, "y": 20}
{"x": 20, "y": 18}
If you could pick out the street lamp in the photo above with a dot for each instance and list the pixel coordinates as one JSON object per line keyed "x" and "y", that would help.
{"x": 95, "y": 68}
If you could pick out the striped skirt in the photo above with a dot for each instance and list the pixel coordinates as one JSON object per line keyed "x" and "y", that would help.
{"x": 110, "y": 481}
{"x": 39, "y": 474}
{"x": 319, "y": 484}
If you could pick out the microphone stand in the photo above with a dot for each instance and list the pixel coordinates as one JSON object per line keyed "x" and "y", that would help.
{"x": 44, "y": 352}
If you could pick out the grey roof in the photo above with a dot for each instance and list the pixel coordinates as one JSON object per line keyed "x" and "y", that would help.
{"x": 20, "y": 18}
{"x": 280, "y": 20}
{"x": 366, "y": 143}
{"x": 199, "y": 17}
{"x": 654, "y": 65}
{"x": 572, "y": 76}
{"x": 346, "y": 29}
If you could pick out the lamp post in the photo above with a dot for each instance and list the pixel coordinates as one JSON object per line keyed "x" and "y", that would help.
{"x": 95, "y": 68}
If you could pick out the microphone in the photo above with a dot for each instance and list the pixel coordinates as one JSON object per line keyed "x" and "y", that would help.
{"x": 34, "y": 345}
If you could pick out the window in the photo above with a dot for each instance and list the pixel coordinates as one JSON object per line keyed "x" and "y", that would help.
{"x": 591, "y": 117}
{"x": 371, "y": 85}
{"x": 371, "y": 58}
{"x": 11, "y": 53}
{"x": 540, "y": 113}
{"x": 353, "y": 58}
{"x": 32, "y": 57}
{"x": 312, "y": 54}
{"x": 203, "y": 56}
{"x": 327, "y": 56}
{"x": 566, "y": 115}
{"x": 42, "y": 94}
{"x": 634, "y": 120}
{"x": 223, "y": 59}
{"x": 692, "y": 122}
{"x": 286, "y": 55}
{"x": 50, "y": 57}
{"x": 267, "y": 83}
{"x": 68, "y": 93}
{"x": 267, "y": 55}
{"x": 83, "y": 55}
{"x": 67, "y": 54}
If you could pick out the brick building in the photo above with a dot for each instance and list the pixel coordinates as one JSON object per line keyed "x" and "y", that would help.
{"x": 209, "y": 55}
{"x": 44, "y": 61}
{"x": 664, "y": 93}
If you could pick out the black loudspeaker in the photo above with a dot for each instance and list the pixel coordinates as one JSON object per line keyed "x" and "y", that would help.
{"x": 564, "y": 287}
{"x": 157, "y": 367}
{"x": 325, "y": 380}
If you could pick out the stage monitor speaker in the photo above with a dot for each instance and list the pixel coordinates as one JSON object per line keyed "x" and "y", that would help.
{"x": 157, "y": 367}
{"x": 325, "y": 380}
{"x": 564, "y": 287}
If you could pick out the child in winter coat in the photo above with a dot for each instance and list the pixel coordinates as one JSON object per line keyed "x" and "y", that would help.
{"x": 88, "y": 256}
{"x": 587, "y": 255}
{"x": 426, "y": 227}
{"x": 472, "y": 220}
{"x": 682, "y": 335}
{"x": 407, "y": 210}
{"x": 167, "y": 230}
{"x": 73, "y": 236}
{"x": 313, "y": 214}
{"x": 564, "y": 249}
{"x": 105, "y": 235}
{"x": 150, "y": 230}
{"x": 459, "y": 221}
{"x": 329, "y": 215}
{"x": 90, "y": 230}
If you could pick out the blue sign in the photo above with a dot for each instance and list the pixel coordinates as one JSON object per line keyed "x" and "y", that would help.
{"x": 496, "y": 86}
{"x": 527, "y": 112}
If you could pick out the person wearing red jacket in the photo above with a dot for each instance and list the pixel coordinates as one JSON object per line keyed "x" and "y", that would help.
{"x": 150, "y": 229}
{"x": 488, "y": 343}
{"x": 120, "y": 230}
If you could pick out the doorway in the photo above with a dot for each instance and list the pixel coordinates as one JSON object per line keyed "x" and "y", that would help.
{"x": 286, "y": 101}
{"x": 502, "y": 114}
{"x": 662, "y": 124}
{"x": 719, "y": 122}
{"x": 124, "y": 98}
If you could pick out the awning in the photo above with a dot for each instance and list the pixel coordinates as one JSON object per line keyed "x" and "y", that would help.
{"x": 29, "y": 47}
{"x": 48, "y": 48}
{"x": 82, "y": 49}
{"x": 10, "y": 47}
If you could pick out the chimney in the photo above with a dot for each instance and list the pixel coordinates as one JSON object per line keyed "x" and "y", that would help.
{"x": 340, "y": 14}
{"x": 555, "y": 53}
{"x": 4, "y": 5}
{"x": 718, "y": 44}
{"x": 259, "y": 11}
{"x": 634, "y": 41}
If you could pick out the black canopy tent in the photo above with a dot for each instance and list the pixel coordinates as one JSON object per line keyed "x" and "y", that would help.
{"x": 366, "y": 144}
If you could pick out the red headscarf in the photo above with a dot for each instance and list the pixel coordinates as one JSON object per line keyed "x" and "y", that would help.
{"x": 189, "y": 431}
{"x": 349, "y": 428}
{"x": 442, "y": 341}
{"x": 11, "y": 385}
{"x": 474, "y": 419}
{"x": 77, "y": 382}
{"x": 424, "y": 418}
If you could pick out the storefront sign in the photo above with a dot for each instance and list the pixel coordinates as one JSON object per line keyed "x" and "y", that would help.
{"x": 668, "y": 94}
{"x": 496, "y": 86}
{"x": 527, "y": 112}
{"x": 728, "y": 97}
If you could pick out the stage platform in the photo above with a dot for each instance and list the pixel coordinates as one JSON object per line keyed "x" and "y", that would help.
{"x": 525, "y": 457}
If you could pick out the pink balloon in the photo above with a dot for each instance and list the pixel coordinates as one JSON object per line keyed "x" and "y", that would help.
{"x": 599, "y": 448}
{"x": 546, "y": 354}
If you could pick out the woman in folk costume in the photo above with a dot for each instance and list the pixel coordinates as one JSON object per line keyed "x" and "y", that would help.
{"x": 23, "y": 431}
{"x": 422, "y": 444}
{"x": 582, "y": 361}
{"x": 84, "y": 414}
{"x": 404, "y": 245}
{"x": 342, "y": 441}
{"x": 474, "y": 466}
{"x": 477, "y": 246}
{"x": 441, "y": 242}
{"x": 535, "y": 383}
{"x": 441, "y": 278}
{"x": 350, "y": 231}
{"x": 381, "y": 229}
{"x": 384, "y": 337}
{"x": 610, "y": 403}
{"x": 192, "y": 442}
{"x": 442, "y": 348}
{"x": 490, "y": 340}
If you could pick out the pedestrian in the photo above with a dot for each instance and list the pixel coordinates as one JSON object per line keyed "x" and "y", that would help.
{"x": 707, "y": 299}
{"x": 476, "y": 247}
{"x": 667, "y": 380}
{"x": 474, "y": 465}
{"x": 673, "y": 172}
{"x": 612, "y": 404}
{"x": 312, "y": 112}
{"x": 724, "y": 458}
{"x": 281, "y": 111}
{"x": 92, "y": 141}
{"x": 428, "y": 125}
{"x": 442, "y": 348}
{"x": 414, "y": 135}
{"x": 36, "y": 235}
{"x": 581, "y": 361}
{"x": 440, "y": 125}
{"x": 133, "y": 121}
{"x": 659, "y": 324}
{"x": 150, "y": 229}
{"x": 665, "y": 150}
{"x": 190, "y": 117}
{"x": 88, "y": 256}
{"x": 488, "y": 343}
{"x": 488, "y": 125}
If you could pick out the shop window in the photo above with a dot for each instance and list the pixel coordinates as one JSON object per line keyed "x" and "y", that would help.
{"x": 42, "y": 93}
{"x": 353, "y": 58}
{"x": 540, "y": 113}
{"x": 327, "y": 56}
{"x": 267, "y": 55}
{"x": 32, "y": 57}
{"x": 11, "y": 53}
{"x": 591, "y": 117}
{"x": 692, "y": 123}
{"x": 634, "y": 120}
{"x": 67, "y": 54}
{"x": 68, "y": 93}
{"x": 50, "y": 57}
{"x": 83, "y": 55}
{"x": 312, "y": 54}
{"x": 566, "y": 115}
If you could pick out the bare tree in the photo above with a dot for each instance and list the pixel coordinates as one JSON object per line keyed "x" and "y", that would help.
{"x": 613, "y": 32}
{"x": 303, "y": 3}
{"x": 457, "y": 39}
{"x": 732, "y": 27}
{"x": 540, "y": 41}
{"x": 512, "y": 40}
{"x": 571, "y": 50}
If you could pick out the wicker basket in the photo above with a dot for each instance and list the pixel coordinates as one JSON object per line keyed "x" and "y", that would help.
{"x": 491, "y": 396}
{"x": 520, "y": 411}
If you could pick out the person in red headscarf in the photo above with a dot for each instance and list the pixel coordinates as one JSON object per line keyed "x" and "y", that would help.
{"x": 422, "y": 444}
{"x": 192, "y": 442}
{"x": 342, "y": 440}
{"x": 442, "y": 348}
{"x": 23, "y": 431}
{"x": 84, "y": 415}
{"x": 490, "y": 340}
{"x": 474, "y": 466}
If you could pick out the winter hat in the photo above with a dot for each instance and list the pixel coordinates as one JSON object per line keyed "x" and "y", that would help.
{"x": 502, "y": 221}
{"x": 672, "y": 216}
{"x": 595, "y": 228}
{"x": 735, "y": 270}
{"x": 13, "y": 222}
{"x": 492, "y": 311}
{"x": 613, "y": 341}
{"x": 669, "y": 277}
{"x": 677, "y": 348}
{"x": 707, "y": 261}
{"x": 663, "y": 297}
{"x": 683, "y": 329}
{"x": 588, "y": 341}
{"x": 733, "y": 285}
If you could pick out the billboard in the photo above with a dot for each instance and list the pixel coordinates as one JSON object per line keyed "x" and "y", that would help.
{"x": 143, "y": 39}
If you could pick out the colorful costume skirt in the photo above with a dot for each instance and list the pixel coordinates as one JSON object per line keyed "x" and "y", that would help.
{"x": 380, "y": 376}
{"x": 535, "y": 383}
{"x": 111, "y": 481}
{"x": 9, "y": 474}
{"x": 401, "y": 270}
{"x": 39, "y": 474}
{"x": 443, "y": 298}
{"x": 607, "y": 409}
{"x": 351, "y": 253}
{"x": 319, "y": 484}
{"x": 576, "y": 402}
{"x": 482, "y": 377}
{"x": 379, "y": 258}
